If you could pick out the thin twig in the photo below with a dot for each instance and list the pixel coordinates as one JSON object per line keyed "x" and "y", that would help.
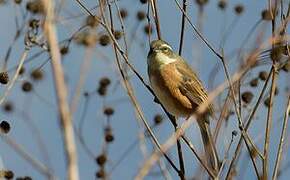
{"x": 198, "y": 33}
{"x": 180, "y": 155}
{"x": 269, "y": 123}
{"x": 156, "y": 17}
{"x": 61, "y": 90}
{"x": 27, "y": 156}
{"x": 11, "y": 83}
{"x": 226, "y": 156}
{"x": 281, "y": 143}
{"x": 182, "y": 27}
{"x": 251, "y": 117}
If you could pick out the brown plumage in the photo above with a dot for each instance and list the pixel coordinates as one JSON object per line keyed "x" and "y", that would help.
{"x": 180, "y": 91}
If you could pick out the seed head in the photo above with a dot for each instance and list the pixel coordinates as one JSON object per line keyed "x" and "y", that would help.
{"x": 267, "y": 102}
{"x": 143, "y": 1}
{"x": 266, "y": 15}
{"x": 222, "y": 4}
{"x": 108, "y": 111}
{"x": 92, "y": 21}
{"x": 247, "y": 97}
{"x": 158, "y": 119}
{"x": 141, "y": 15}
{"x": 123, "y": 13}
{"x": 101, "y": 159}
{"x": 239, "y": 9}
{"x": 118, "y": 34}
{"x": 36, "y": 74}
{"x": 254, "y": 82}
{"x": 27, "y": 86}
{"x": 104, "y": 40}
{"x": 4, "y": 127}
{"x": 8, "y": 106}
{"x": 4, "y": 77}
{"x": 263, "y": 75}
{"x": 201, "y": 2}
{"x": 148, "y": 29}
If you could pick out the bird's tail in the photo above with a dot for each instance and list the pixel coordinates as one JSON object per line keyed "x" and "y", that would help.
{"x": 209, "y": 146}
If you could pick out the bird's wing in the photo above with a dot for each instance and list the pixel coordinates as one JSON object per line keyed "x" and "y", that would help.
{"x": 191, "y": 86}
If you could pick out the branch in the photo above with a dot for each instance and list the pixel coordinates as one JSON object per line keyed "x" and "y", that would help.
{"x": 61, "y": 91}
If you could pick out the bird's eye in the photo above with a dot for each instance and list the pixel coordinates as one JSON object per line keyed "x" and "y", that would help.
{"x": 164, "y": 49}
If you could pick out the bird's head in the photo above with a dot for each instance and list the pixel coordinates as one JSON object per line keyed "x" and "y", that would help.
{"x": 161, "y": 52}
{"x": 160, "y": 46}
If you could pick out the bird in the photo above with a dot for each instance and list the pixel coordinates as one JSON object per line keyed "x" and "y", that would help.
{"x": 178, "y": 88}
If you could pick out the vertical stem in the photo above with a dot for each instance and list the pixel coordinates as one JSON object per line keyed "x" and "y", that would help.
{"x": 156, "y": 17}
{"x": 269, "y": 124}
{"x": 61, "y": 91}
{"x": 182, "y": 27}
{"x": 270, "y": 109}
{"x": 180, "y": 155}
{"x": 280, "y": 149}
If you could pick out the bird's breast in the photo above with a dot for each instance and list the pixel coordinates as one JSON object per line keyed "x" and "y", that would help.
{"x": 165, "y": 82}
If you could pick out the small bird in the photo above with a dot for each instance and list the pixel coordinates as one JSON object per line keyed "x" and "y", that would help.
{"x": 179, "y": 90}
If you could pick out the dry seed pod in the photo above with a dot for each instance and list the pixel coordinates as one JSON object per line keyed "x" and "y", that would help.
{"x": 141, "y": 15}
{"x": 263, "y": 75}
{"x": 5, "y": 127}
{"x": 101, "y": 173}
{"x": 201, "y": 2}
{"x": 158, "y": 119}
{"x": 247, "y": 97}
{"x": 108, "y": 111}
{"x": 27, "y": 86}
{"x": 36, "y": 74}
{"x": 101, "y": 159}
{"x": 254, "y": 82}
{"x": 7, "y": 174}
{"x": 8, "y": 106}
{"x": 118, "y": 34}
{"x": 4, "y": 77}
{"x": 239, "y": 9}
{"x": 148, "y": 29}
{"x": 35, "y": 6}
{"x": 143, "y": 1}
{"x": 222, "y": 4}
{"x": 266, "y": 15}
{"x": 267, "y": 102}
{"x": 92, "y": 21}
{"x": 123, "y": 13}
{"x": 104, "y": 40}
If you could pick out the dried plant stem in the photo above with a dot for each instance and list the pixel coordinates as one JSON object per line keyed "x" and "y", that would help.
{"x": 165, "y": 147}
{"x": 197, "y": 32}
{"x": 184, "y": 5}
{"x": 239, "y": 146}
{"x": 281, "y": 143}
{"x": 202, "y": 162}
{"x": 245, "y": 136}
{"x": 11, "y": 83}
{"x": 269, "y": 123}
{"x": 156, "y": 17}
{"x": 226, "y": 156}
{"x": 27, "y": 156}
{"x": 61, "y": 90}
{"x": 180, "y": 156}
